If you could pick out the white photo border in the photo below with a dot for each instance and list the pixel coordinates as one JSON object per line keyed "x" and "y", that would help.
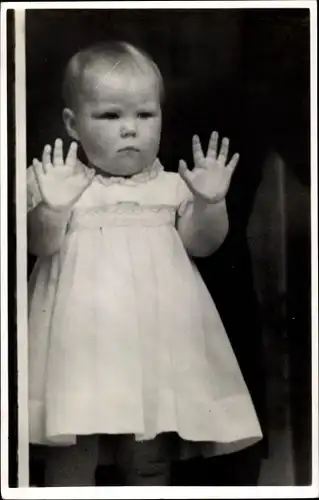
{"x": 24, "y": 491}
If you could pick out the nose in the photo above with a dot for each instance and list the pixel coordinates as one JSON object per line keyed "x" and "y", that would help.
{"x": 128, "y": 128}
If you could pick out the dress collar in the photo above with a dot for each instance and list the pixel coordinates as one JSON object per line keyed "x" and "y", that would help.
{"x": 142, "y": 177}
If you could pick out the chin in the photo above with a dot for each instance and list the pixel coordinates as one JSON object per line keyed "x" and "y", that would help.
{"x": 122, "y": 165}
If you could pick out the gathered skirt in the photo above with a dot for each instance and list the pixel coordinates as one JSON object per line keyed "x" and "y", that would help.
{"x": 124, "y": 338}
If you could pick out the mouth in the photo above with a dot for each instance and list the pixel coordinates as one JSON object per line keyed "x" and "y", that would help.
{"x": 129, "y": 149}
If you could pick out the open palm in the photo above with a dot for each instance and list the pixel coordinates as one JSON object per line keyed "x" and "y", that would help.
{"x": 61, "y": 183}
{"x": 211, "y": 175}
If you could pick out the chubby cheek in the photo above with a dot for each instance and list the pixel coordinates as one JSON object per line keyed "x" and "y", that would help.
{"x": 152, "y": 134}
{"x": 99, "y": 138}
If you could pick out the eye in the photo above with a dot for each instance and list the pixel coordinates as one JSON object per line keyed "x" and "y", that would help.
{"x": 144, "y": 115}
{"x": 108, "y": 115}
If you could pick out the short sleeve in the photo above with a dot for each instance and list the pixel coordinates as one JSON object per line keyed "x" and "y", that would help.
{"x": 33, "y": 193}
{"x": 184, "y": 196}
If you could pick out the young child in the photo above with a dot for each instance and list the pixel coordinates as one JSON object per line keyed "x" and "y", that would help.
{"x": 124, "y": 339}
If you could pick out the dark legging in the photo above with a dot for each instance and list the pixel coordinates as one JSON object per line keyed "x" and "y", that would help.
{"x": 143, "y": 463}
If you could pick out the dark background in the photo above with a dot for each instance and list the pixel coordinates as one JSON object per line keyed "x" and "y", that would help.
{"x": 244, "y": 73}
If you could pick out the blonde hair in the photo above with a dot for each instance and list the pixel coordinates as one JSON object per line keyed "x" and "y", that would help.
{"x": 110, "y": 52}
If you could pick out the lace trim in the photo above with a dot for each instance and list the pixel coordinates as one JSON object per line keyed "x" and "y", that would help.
{"x": 146, "y": 175}
{"x": 123, "y": 214}
{"x": 114, "y": 221}
{"x": 124, "y": 207}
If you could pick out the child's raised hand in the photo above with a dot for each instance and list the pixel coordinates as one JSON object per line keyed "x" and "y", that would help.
{"x": 61, "y": 183}
{"x": 211, "y": 176}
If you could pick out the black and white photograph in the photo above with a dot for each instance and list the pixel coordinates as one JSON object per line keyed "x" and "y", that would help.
{"x": 158, "y": 177}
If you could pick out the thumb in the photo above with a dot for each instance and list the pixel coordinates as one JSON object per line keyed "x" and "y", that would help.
{"x": 82, "y": 181}
{"x": 184, "y": 172}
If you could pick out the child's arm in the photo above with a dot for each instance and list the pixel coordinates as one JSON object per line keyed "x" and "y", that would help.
{"x": 46, "y": 230}
{"x": 203, "y": 224}
{"x": 53, "y": 188}
{"x": 203, "y": 227}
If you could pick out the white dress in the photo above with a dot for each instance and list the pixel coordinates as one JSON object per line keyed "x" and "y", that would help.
{"x": 124, "y": 337}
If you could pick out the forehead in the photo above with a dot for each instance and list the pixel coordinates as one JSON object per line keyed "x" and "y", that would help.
{"x": 113, "y": 82}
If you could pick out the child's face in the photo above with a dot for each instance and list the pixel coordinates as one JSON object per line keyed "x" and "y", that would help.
{"x": 118, "y": 120}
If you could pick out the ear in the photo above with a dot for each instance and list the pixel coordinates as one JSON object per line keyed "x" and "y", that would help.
{"x": 70, "y": 123}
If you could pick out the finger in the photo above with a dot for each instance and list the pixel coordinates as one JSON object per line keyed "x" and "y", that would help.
{"x": 32, "y": 183}
{"x": 71, "y": 156}
{"x": 197, "y": 150}
{"x": 38, "y": 172}
{"x": 212, "y": 145}
{"x": 46, "y": 158}
{"x": 224, "y": 149}
{"x": 233, "y": 162}
{"x": 185, "y": 173}
{"x": 58, "y": 153}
